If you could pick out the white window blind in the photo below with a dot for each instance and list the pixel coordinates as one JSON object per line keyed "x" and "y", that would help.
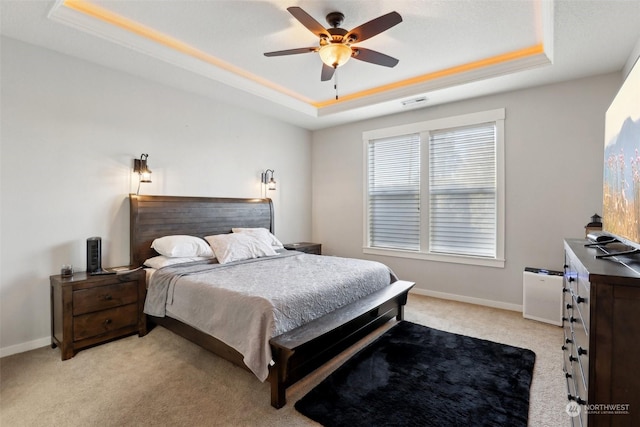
{"x": 394, "y": 192}
{"x": 462, "y": 190}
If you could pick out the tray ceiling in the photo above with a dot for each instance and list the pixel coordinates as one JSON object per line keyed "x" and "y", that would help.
{"x": 447, "y": 50}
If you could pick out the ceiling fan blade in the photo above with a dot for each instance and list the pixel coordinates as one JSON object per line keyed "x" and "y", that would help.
{"x": 374, "y": 27}
{"x": 308, "y": 21}
{"x": 327, "y": 72}
{"x": 291, "y": 51}
{"x": 368, "y": 55}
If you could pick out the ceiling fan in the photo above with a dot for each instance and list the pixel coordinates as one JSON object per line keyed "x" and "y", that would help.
{"x": 335, "y": 47}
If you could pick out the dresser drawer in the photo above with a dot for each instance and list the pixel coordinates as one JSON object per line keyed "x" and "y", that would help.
{"x": 567, "y": 348}
{"x": 104, "y": 297}
{"x": 582, "y": 302}
{"x": 567, "y": 306}
{"x": 92, "y": 324}
{"x": 580, "y": 358}
{"x": 568, "y": 375}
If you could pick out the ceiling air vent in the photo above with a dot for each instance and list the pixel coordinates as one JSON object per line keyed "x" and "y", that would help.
{"x": 420, "y": 101}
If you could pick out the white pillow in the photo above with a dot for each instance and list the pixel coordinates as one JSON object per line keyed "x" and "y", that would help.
{"x": 181, "y": 246}
{"x": 237, "y": 247}
{"x": 163, "y": 261}
{"x": 261, "y": 234}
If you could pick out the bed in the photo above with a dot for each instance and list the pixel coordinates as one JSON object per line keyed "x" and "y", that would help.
{"x": 295, "y": 352}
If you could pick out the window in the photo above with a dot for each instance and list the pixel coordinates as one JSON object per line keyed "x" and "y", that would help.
{"x": 394, "y": 192}
{"x": 435, "y": 190}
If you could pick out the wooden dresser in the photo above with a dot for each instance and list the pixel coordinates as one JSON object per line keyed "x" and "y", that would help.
{"x": 601, "y": 323}
{"x": 88, "y": 310}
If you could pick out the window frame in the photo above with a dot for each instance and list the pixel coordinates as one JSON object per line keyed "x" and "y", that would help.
{"x": 496, "y": 116}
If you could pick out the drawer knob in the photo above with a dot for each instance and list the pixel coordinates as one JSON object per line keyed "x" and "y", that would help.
{"x": 564, "y": 348}
{"x": 572, "y": 279}
{"x": 569, "y": 306}
{"x": 581, "y": 351}
{"x": 565, "y": 290}
{"x": 573, "y": 359}
{"x": 580, "y": 300}
{"x": 108, "y": 297}
{"x": 107, "y": 322}
{"x": 568, "y": 341}
{"x": 567, "y": 375}
{"x": 577, "y": 399}
{"x": 573, "y": 319}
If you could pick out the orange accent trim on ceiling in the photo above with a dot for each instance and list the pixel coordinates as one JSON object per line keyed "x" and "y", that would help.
{"x": 170, "y": 42}
{"x": 494, "y": 60}
{"x": 156, "y": 36}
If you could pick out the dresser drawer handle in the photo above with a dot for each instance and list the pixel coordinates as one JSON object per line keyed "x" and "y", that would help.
{"x": 107, "y": 322}
{"x": 569, "y": 306}
{"x": 565, "y": 290}
{"x": 567, "y": 375}
{"x": 564, "y": 348}
{"x": 573, "y": 359}
{"x": 577, "y": 399}
{"x": 108, "y": 297}
{"x": 572, "y": 279}
{"x": 580, "y": 300}
{"x": 581, "y": 351}
{"x": 568, "y": 340}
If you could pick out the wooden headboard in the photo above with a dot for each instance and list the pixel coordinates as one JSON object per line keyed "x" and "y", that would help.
{"x": 158, "y": 216}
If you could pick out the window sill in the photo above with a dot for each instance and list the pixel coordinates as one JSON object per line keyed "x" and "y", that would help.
{"x": 455, "y": 259}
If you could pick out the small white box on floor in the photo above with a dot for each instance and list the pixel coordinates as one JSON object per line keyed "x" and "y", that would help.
{"x": 542, "y": 295}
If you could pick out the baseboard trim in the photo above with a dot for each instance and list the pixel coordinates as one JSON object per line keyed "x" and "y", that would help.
{"x": 470, "y": 300}
{"x": 25, "y": 346}
{"x": 42, "y": 342}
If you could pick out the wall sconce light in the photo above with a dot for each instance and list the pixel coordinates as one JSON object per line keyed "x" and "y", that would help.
{"x": 142, "y": 169}
{"x": 269, "y": 182}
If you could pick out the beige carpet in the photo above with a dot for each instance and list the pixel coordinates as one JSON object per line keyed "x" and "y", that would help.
{"x": 164, "y": 380}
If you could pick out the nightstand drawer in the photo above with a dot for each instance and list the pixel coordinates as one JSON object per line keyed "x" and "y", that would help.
{"x": 89, "y": 325}
{"x": 103, "y": 297}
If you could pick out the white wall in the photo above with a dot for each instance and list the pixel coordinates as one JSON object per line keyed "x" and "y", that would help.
{"x": 70, "y": 130}
{"x": 554, "y": 150}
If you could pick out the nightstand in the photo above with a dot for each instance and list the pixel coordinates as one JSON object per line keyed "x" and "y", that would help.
{"x": 89, "y": 310}
{"x": 307, "y": 247}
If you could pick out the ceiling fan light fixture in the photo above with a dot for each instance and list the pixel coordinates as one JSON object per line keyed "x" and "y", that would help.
{"x": 335, "y": 54}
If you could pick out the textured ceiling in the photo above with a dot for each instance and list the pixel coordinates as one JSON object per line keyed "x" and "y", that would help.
{"x": 447, "y": 50}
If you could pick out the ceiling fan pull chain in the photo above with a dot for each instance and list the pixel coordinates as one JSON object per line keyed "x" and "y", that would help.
{"x": 335, "y": 81}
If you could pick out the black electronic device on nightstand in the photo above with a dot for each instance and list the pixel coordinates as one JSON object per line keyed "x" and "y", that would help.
{"x": 94, "y": 257}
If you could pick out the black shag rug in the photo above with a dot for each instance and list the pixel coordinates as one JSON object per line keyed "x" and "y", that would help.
{"x": 413, "y": 375}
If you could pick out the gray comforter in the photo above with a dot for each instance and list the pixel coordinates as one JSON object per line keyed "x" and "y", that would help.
{"x": 246, "y": 303}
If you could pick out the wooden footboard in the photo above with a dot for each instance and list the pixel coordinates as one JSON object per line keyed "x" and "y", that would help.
{"x": 298, "y": 352}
